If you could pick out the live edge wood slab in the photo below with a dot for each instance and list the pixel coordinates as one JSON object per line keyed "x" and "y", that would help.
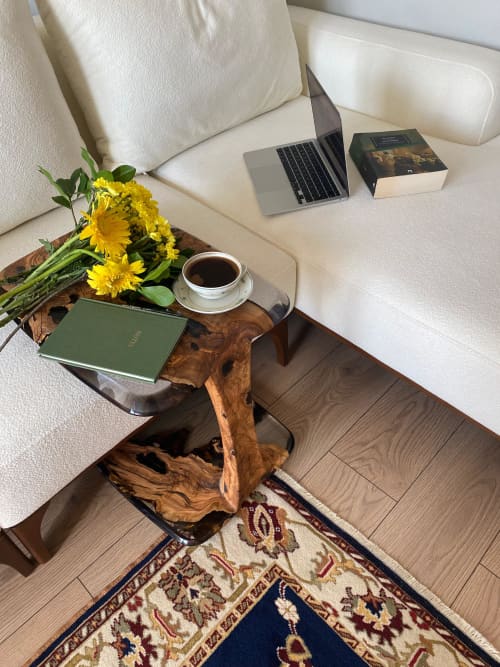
{"x": 215, "y": 351}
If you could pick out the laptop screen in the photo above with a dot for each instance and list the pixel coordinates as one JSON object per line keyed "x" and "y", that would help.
{"x": 328, "y": 126}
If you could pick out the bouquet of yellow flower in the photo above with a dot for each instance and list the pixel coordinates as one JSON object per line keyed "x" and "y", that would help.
{"x": 121, "y": 242}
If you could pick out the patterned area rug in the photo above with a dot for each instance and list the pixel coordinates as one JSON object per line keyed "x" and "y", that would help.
{"x": 284, "y": 583}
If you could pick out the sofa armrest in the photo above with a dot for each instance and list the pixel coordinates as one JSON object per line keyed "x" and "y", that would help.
{"x": 445, "y": 88}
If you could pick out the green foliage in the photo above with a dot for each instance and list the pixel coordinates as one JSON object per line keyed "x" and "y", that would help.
{"x": 124, "y": 173}
{"x": 80, "y": 183}
{"x": 158, "y": 294}
{"x": 62, "y": 201}
{"x": 88, "y": 159}
{"x": 48, "y": 246}
{"x": 159, "y": 273}
{"x": 104, "y": 173}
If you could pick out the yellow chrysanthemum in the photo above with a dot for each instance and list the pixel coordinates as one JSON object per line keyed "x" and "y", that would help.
{"x": 115, "y": 276}
{"x": 135, "y": 202}
{"x": 107, "y": 228}
{"x": 168, "y": 250}
{"x": 103, "y": 183}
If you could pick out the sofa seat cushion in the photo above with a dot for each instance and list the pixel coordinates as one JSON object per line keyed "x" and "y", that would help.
{"x": 52, "y": 426}
{"x": 36, "y": 126}
{"x": 412, "y": 280}
{"x": 150, "y": 76}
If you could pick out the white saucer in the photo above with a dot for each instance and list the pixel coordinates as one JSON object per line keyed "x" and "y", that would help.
{"x": 192, "y": 301}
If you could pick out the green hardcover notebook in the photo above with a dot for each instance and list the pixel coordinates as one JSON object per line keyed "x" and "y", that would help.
{"x": 112, "y": 338}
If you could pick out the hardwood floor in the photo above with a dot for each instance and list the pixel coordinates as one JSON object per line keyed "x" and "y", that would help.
{"x": 408, "y": 472}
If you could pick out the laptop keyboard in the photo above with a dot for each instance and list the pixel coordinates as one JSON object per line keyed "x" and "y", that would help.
{"x": 307, "y": 175}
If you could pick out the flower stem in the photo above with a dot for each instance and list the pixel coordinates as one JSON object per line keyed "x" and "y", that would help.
{"x": 50, "y": 259}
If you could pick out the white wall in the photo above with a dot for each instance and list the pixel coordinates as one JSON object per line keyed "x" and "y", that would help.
{"x": 476, "y": 21}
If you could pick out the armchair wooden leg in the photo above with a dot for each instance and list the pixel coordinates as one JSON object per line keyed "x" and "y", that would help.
{"x": 279, "y": 335}
{"x": 12, "y": 556}
{"x": 28, "y": 533}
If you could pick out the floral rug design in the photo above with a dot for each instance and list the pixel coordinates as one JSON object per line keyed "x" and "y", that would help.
{"x": 284, "y": 583}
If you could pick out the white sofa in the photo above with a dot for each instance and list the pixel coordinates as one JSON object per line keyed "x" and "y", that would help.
{"x": 413, "y": 281}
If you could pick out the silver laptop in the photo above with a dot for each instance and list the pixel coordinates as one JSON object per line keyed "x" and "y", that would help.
{"x": 308, "y": 173}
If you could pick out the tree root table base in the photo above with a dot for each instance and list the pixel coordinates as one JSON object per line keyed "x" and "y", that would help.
{"x": 151, "y": 474}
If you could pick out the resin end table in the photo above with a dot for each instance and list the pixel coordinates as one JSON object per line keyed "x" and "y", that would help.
{"x": 189, "y": 495}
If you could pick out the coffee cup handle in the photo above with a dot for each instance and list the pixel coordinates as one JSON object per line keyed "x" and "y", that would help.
{"x": 244, "y": 269}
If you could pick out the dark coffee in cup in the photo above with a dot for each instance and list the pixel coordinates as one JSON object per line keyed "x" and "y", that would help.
{"x": 212, "y": 272}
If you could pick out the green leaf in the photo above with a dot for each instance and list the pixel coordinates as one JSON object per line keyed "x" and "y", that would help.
{"x": 158, "y": 294}
{"x": 49, "y": 247}
{"x": 51, "y": 180}
{"x": 47, "y": 175}
{"x": 84, "y": 184}
{"x": 62, "y": 200}
{"x": 104, "y": 173}
{"x": 124, "y": 173}
{"x": 74, "y": 178}
{"x": 88, "y": 159}
{"x": 65, "y": 186}
{"x": 180, "y": 261}
{"x": 159, "y": 272}
{"x": 134, "y": 256}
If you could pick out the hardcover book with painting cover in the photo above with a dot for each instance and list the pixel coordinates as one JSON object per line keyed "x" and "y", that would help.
{"x": 397, "y": 163}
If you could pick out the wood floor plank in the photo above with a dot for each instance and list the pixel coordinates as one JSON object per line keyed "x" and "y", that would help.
{"x": 491, "y": 559}
{"x": 479, "y": 603}
{"x": 308, "y": 346}
{"x": 395, "y": 440}
{"x": 444, "y": 524}
{"x": 327, "y": 402}
{"x": 347, "y": 493}
{"x": 83, "y": 520}
{"x": 23, "y": 644}
{"x": 114, "y": 561}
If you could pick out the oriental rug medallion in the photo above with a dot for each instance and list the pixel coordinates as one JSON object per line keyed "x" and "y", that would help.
{"x": 284, "y": 583}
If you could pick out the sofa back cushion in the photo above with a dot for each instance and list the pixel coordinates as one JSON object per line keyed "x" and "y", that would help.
{"x": 157, "y": 77}
{"x": 36, "y": 126}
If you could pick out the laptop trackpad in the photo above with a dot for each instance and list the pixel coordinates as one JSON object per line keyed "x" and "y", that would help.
{"x": 269, "y": 178}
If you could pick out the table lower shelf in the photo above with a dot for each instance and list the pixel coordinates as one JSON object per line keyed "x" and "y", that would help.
{"x": 169, "y": 435}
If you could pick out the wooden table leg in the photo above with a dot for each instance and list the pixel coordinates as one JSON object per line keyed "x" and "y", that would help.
{"x": 28, "y": 532}
{"x": 11, "y": 555}
{"x": 279, "y": 334}
{"x": 246, "y": 462}
{"x": 187, "y": 488}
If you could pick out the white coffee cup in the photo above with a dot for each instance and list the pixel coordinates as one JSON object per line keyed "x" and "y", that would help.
{"x": 213, "y": 275}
